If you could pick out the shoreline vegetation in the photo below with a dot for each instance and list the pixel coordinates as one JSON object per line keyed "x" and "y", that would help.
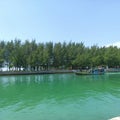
{"x": 26, "y": 57}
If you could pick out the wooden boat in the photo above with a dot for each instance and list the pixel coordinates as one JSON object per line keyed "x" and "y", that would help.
{"x": 91, "y": 72}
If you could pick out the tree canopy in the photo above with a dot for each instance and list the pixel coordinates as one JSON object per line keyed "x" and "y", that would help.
{"x": 42, "y": 56}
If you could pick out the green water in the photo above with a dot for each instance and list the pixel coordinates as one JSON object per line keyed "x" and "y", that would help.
{"x": 59, "y": 97}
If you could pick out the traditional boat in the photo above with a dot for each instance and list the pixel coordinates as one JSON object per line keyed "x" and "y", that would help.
{"x": 99, "y": 71}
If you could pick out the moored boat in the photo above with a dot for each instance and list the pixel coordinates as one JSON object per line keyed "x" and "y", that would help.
{"x": 99, "y": 71}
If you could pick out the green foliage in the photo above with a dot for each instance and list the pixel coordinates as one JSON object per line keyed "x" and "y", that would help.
{"x": 37, "y": 56}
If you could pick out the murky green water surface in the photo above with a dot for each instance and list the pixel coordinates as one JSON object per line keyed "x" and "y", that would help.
{"x": 59, "y": 97}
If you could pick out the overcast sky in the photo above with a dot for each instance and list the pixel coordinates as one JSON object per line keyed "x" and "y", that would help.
{"x": 94, "y": 22}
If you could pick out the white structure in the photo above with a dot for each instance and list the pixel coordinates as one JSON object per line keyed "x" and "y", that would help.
{"x": 5, "y": 66}
{"x": 115, "y": 118}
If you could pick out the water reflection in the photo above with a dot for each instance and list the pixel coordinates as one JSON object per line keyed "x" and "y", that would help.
{"x": 33, "y": 90}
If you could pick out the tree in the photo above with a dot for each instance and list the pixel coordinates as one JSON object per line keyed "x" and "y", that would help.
{"x": 36, "y": 56}
{"x": 57, "y": 60}
{"x": 112, "y": 56}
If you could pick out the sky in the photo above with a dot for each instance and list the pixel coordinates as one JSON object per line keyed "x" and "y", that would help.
{"x": 93, "y": 22}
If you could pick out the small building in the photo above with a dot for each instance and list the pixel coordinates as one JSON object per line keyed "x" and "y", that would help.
{"x": 4, "y": 66}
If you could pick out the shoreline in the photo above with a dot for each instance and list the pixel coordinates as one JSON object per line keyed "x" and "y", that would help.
{"x": 9, "y": 73}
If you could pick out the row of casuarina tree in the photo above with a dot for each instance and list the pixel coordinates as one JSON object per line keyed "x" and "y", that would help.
{"x": 44, "y": 56}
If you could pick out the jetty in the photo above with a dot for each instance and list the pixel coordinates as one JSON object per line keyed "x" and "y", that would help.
{"x": 34, "y": 72}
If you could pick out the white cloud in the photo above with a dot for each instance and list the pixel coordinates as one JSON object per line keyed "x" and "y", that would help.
{"x": 114, "y": 44}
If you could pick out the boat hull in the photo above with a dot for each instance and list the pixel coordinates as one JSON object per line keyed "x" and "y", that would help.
{"x": 86, "y": 73}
